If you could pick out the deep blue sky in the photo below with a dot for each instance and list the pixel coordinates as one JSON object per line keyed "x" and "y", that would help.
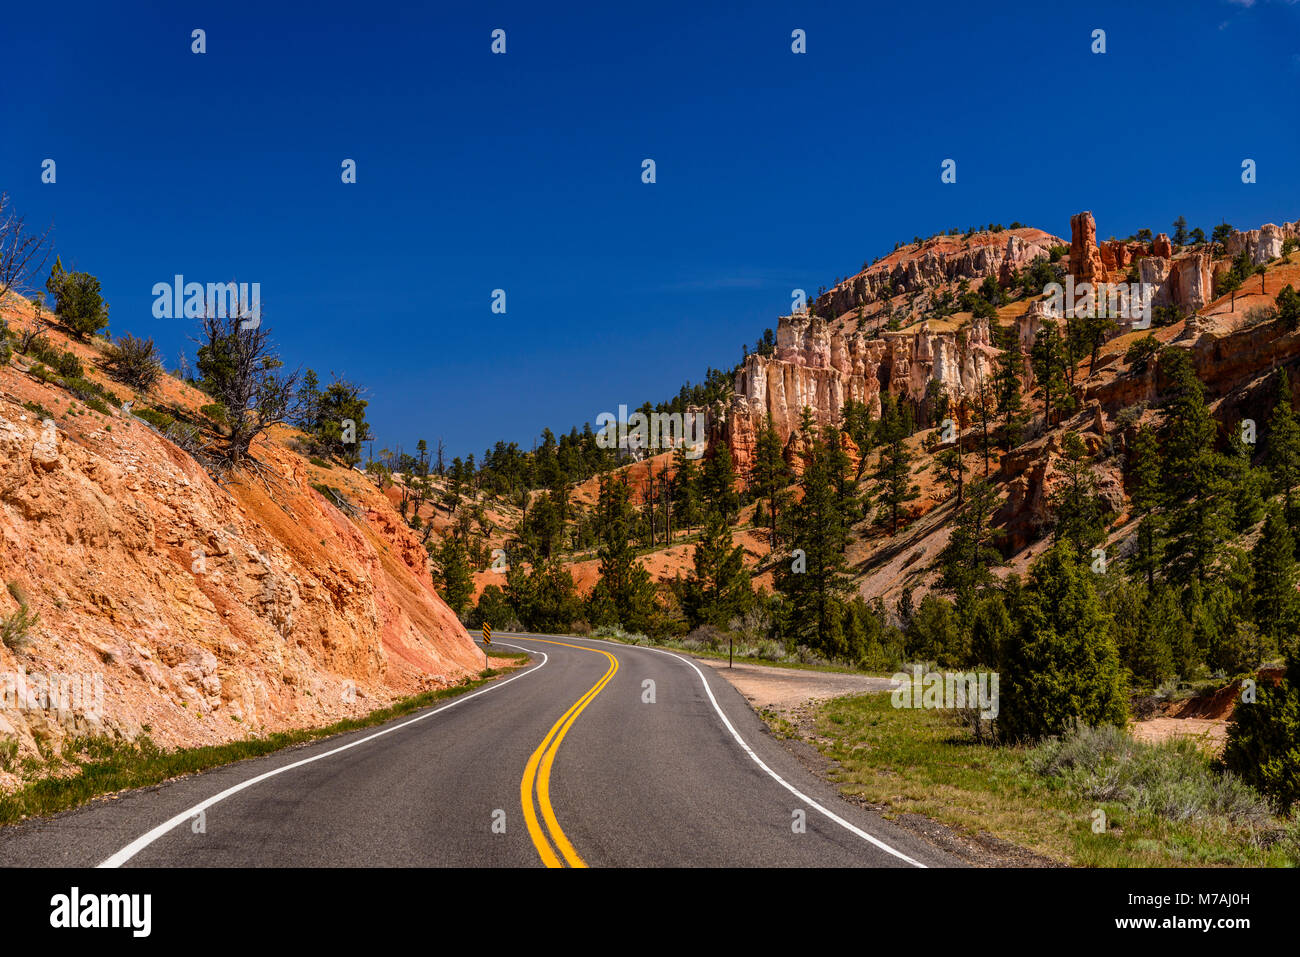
{"x": 522, "y": 171}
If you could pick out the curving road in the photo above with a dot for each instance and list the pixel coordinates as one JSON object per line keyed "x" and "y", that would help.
{"x": 597, "y": 754}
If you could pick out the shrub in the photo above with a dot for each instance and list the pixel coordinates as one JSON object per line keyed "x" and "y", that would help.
{"x": 15, "y": 629}
{"x": 98, "y": 404}
{"x": 77, "y": 301}
{"x": 1140, "y": 352}
{"x": 1264, "y": 739}
{"x": 133, "y": 361}
{"x": 6, "y": 350}
{"x": 85, "y": 389}
{"x": 159, "y": 420}
{"x": 64, "y": 363}
{"x": 216, "y": 412}
{"x": 38, "y": 409}
{"x": 707, "y": 636}
{"x": 1173, "y": 780}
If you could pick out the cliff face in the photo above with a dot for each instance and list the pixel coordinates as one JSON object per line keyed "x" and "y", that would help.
{"x": 935, "y": 263}
{"x": 821, "y": 368}
{"x": 1262, "y": 244}
{"x": 200, "y": 612}
{"x": 822, "y": 363}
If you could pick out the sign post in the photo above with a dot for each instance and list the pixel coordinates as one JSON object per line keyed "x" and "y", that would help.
{"x": 487, "y": 643}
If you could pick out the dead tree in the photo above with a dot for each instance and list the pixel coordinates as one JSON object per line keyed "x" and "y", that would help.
{"x": 23, "y": 254}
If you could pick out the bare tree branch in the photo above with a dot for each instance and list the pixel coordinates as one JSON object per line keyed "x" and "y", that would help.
{"x": 23, "y": 254}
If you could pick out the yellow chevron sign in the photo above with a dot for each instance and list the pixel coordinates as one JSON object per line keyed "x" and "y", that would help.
{"x": 487, "y": 633}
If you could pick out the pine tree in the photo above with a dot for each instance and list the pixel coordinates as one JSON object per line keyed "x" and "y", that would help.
{"x": 1282, "y": 451}
{"x": 857, "y": 423}
{"x": 685, "y": 493}
{"x": 815, "y": 581}
{"x": 1276, "y": 605}
{"x": 894, "y": 471}
{"x": 970, "y": 555}
{"x": 1264, "y": 737}
{"x": 717, "y": 483}
{"x": 1063, "y": 667}
{"x": 1077, "y": 508}
{"x": 769, "y": 477}
{"x": 1006, "y": 387}
{"x": 1146, "y": 494}
{"x": 453, "y": 576}
{"x": 624, "y": 594}
{"x": 1048, "y": 359}
{"x": 718, "y": 588}
{"x": 1200, "y": 516}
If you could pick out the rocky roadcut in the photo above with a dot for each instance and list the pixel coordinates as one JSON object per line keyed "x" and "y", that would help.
{"x": 209, "y": 612}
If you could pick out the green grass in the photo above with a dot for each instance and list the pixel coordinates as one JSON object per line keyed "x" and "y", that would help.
{"x": 1163, "y": 804}
{"x": 93, "y": 766}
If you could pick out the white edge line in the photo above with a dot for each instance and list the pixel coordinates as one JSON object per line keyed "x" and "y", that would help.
{"x": 759, "y": 761}
{"x": 140, "y": 843}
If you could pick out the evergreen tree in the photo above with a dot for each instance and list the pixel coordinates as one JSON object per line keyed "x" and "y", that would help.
{"x": 769, "y": 477}
{"x": 1048, "y": 360}
{"x": 1276, "y": 604}
{"x": 1264, "y": 738}
{"x": 718, "y": 587}
{"x": 1282, "y": 451}
{"x": 815, "y": 580}
{"x": 1200, "y": 520}
{"x": 77, "y": 301}
{"x": 1145, "y": 495}
{"x": 894, "y": 471}
{"x": 685, "y": 493}
{"x": 1006, "y": 387}
{"x": 624, "y": 594}
{"x": 543, "y": 596}
{"x": 1078, "y": 509}
{"x": 934, "y": 634}
{"x": 970, "y": 556}
{"x": 717, "y": 483}
{"x": 1063, "y": 666}
{"x": 453, "y": 575}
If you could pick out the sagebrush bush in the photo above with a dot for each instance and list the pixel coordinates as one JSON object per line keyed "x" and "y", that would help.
{"x": 134, "y": 362}
{"x": 1174, "y": 780}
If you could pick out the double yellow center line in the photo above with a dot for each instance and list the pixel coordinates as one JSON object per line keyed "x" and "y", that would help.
{"x": 537, "y": 774}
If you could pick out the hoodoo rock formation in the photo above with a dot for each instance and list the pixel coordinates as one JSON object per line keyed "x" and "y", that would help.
{"x": 1263, "y": 244}
{"x": 845, "y": 352}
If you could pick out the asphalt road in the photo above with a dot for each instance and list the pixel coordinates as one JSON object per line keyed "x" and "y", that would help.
{"x": 573, "y": 761}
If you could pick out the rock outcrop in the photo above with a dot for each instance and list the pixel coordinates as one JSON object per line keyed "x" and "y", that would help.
{"x": 1264, "y": 244}
{"x": 201, "y": 612}
{"x": 936, "y": 262}
{"x": 819, "y": 368}
{"x": 1085, "y": 258}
